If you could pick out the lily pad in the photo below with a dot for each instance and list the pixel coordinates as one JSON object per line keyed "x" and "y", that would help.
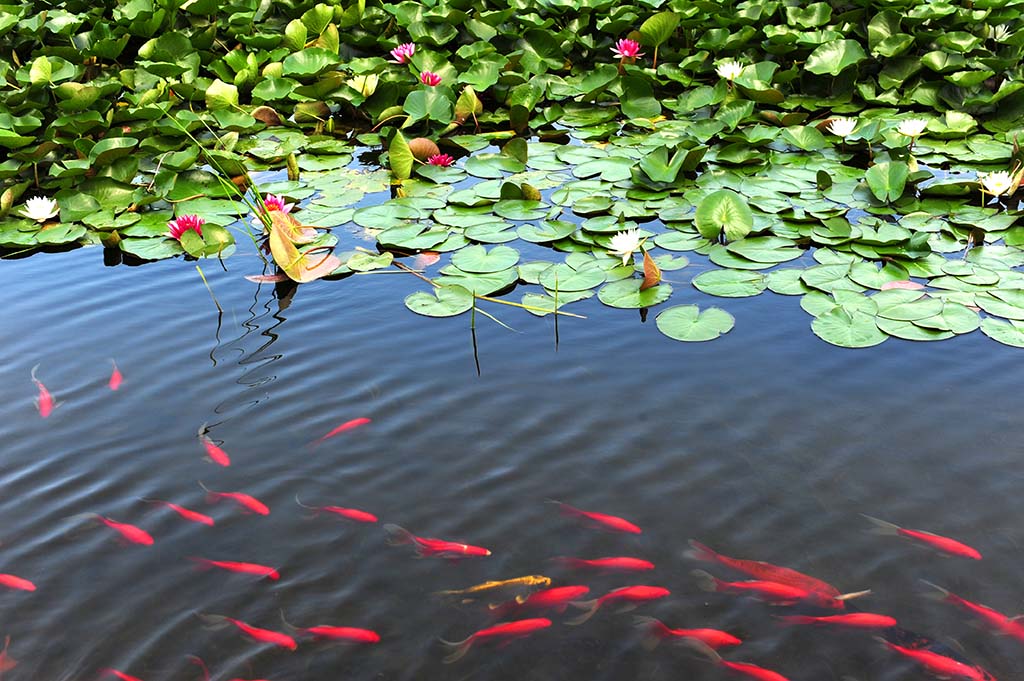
{"x": 479, "y": 259}
{"x": 848, "y": 330}
{"x": 689, "y": 324}
{"x": 730, "y": 283}
{"x": 445, "y": 301}
{"x": 626, "y": 293}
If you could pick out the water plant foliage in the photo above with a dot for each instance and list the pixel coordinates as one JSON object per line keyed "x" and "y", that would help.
{"x": 862, "y": 155}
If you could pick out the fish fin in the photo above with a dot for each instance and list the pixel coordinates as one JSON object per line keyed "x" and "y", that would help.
{"x": 398, "y": 536}
{"x": 652, "y": 629}
{"x": 939, "y": 594}
{"x": 628, "y": 607}
{"x": 201, "y": 564}
{"x": 795, "y": 619}
{"x": 292, "y": 629}
{"x": 458, "y": 648}
{"x": 702, "y": 649}
{"x": 213, "y": 622}
{"x": 701, "y": 552}
{"x": 589, "y": 608}
{"x": 705, "y": 580}
{"x": 853, "y": 594}
{"x": 33, "y": 373}
{"x": 196, "y": 660}
{"x": 881, "y": 526}
{"x": 314, "y": 509}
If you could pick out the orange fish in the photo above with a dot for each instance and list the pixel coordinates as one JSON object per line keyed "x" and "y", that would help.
{"x": 349, "y": 513}
{"x": 244, "y": 568}
{"x": 257, "y": 634}
{"x": 120, "y": 674}
{"x": 14, "y": 582}
{"x": 659, "y": 631}
{"x": 600, "y": 520}
{"x": 333, "y": 633}
{"x": 44, "y": 402}
{"x": 427, "y": 546}
{"x": 992, "y": 619}
{"x": 185, "y": 513}
{"x": 631, "y": 596}
{"x": 556, "y": 598}
{"x": 348, "y": 425}
{"x": 769, "y": 592}
{"x": 609, "y": 564}
{"x": 939, "y": 665}
{"x": 129, "y": 533}
{"x": 851, "y": 620}
{"x": 747, "y": 669}
{"x": 244, "y": 500}
{"x": 504, "y": 632}
{"x": 950, "y": 547}
{"x": 216, "y": 454}
{"x": 115, "y": 377}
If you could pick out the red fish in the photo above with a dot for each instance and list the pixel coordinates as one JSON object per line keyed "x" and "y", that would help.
{"x": 769, "y": 592}
{"x": 426, "y": 546}
{"x": 44, "y": 402}
{"x": 14, "y": 582}
{"x": 630, "y": 595}
{"x": 257, "y": 634}
{"x": 6, "y": 661}
{"x": 941, "y": 544}
{"x": 115, "y": 377}
{"x": 185, "y": 513}
{"x": 658, "y": 631}
{"x": 349, "y": 513}
{"x": 939, "y": 665}
{"x": 250, "y": 503}
{"x": 557, "y": 599}
{"x": 506, "y": 631}
{"x": 348, "y": 425}
{"x": 216, "y": 454}
{"x": 244, "y": 568}
{"x": 771, "y": 573}
{"x": 751, "y": 671}
{"x": 129, "y": 533}
{"x": 610, "y": 564}
{"x": 991, "y": 618}
{"x": 120, "y": 674}
{"x": 852, "y": 620}
{"x": 600, "y": 520}
{"x": 333, "y": 633}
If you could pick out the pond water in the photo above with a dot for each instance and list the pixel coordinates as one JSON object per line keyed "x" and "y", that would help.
{"x": 766, "y": 444}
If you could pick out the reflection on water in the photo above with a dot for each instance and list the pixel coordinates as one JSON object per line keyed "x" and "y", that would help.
{"x": 766, "y": 444}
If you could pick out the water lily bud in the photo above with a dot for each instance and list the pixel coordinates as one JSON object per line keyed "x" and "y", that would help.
{"x": 293, "y": 167}
{"x": 423, "y": 148}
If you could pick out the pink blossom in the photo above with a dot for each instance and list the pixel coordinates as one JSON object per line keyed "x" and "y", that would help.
{"x": 430, "y": 78}
{"x": 183, "y": 224}
{"x": 403, "y": 53}
{"x": 627, "y": 49}
{"x": 274, "y": 202}
{"x": 443, "y": 160}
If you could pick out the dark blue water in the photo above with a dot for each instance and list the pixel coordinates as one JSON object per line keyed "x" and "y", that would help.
{"x": 764, "y": 444}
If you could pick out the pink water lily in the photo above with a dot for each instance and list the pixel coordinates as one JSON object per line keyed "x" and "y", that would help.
{"x": 443, "y": 160}
{"x": 176, "y": 228}
{"x": 430, "y": 78}
{"x": 274, "y": 202}
{"x": 403, "y": 53}
{"x": 627, "y": 49}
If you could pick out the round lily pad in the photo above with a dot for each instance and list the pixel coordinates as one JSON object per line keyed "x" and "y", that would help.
{"x": 786, "y": 282}
{"x": 954, "y": 317}
{"x": 910, "y": 331}
{"x": 848, "y": 330}
{"x": 445, "y": 301}
{"x": 563, "y": 277}
{"x": 546, "y": 231}
{"x": 766, "y": 249}
{"x": 480, "y": 283}
{"x": 479, "y": 259}
{"x": 626, "y": 293}
{"x": 730, "y": 283}
{"x": 906, "y": 305}
{"x": 680, "y": 241}
{"x": 688, "y": 323}
{"x": 1007, "y": 333}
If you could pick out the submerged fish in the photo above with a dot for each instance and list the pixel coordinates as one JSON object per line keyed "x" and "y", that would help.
{"x": 246, "y": 501}
{"x": 524, "y": 581}
{"x": 187, "y": 514}
{"x": 939, "y": 665}
{"x": 747, "y": 669}
{"x": 600, "y": 520}
{"x": 994, "y": 620}
{"x": 609, "y": 564}
{"x": 333, "y": 633}
{"x": 115, "y": 377}
{"x": 505, "y": 631}
{"x": 557, "y": 599}
{"x": 128, "y": 532}
{"x": 15, "y": 582}
{"x": 427, "y": 546}
{"x": 851, "y": 620}
{"x": 769, "y": 592}
{"x": 119, "y": 674}
{"x": 631, "y": 596}
{"x": 941, "y": 544}
{"x": 256, "y": 633}
{"x": 349, "y": 513}
{"x": 6, "y": 661}
{"x": 216, "y": 454}
{"x": 243, "y": 568}
{"x": 44, "y": 402}
{"x": 657, "y": 631}
{"x": 348, "y": 425}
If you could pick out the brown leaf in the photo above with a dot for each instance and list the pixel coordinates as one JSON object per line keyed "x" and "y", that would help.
{"x": 652, "y": 273}
{"x": 425, "y": 259}
{"x": 267, "y": 278}
{"x": 904, "y": 284}
{"x": 292, "y": 229}
{"x": 300, "y": 267}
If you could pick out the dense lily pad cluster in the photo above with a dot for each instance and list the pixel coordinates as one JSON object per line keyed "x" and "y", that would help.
{"x": 874, "y": 145}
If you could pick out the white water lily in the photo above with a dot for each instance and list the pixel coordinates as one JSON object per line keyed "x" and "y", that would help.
{"x": 729, "y": 70}
{"x": 366, "y": 85}
{"x": 842, "y": 127}
{"x": 40, "y": 209}
{"x": 625, "y": 244}
{"x": 912, "y": 127}
{"x": 997, "y": 183}
{"x": 997, "y": 33}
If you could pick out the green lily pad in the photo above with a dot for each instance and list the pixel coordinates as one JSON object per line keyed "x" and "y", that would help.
{"x": 954, "y": 317}
{"x": 689, "y": 324}
{"x": 766, "y": 249}
{"x": 730, "y": 283}
{"x": 479, "y": 259}
{"x": 1008, "y": 333}
{"x": 564, "y": 277}
{"x": 546, "y": 231}
{"x": 445, "y": 301}
{"x": 848, "y": 330}
{"x": 479, "y": 283}
{"x": 626, "y": 293}
{"x": 910, "y": 331}
{"x": 786, "y": 282}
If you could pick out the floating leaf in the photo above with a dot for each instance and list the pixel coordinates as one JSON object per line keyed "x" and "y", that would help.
{"x": 627, "y": 293}
{"x": 887, "y": 180}
{"x": 688, "y": 323}
{"x": 848, "y": 330}
{"x": 723, "y": 210}
{"x": 479, "y": 259}
{"x": 445, "y": 301}
{"x": 730, "y": 283}
{"x": 652, "y": 273}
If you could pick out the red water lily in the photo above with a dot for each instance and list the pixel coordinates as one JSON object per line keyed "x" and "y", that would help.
{"x": 627, "y": 49}
{"x": 443, "y": 160}
{"x": 274, "y": 202}
{"x": 403, "y": 53}
{"x": 183, "y": 224}
{"x": 430, "y": 78}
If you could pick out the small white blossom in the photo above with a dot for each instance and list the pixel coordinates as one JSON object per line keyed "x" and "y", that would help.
{"x": 997, "y": 33}
{"x": 912, "y": 127}
{"x": 625, "y": 244}
{"x": 842, "y": 127}
{"x": 997, "y": 183}
{"x": 365, "y": 85}
{"x": 729, "y": 70}
{"x": 40, "y": 209}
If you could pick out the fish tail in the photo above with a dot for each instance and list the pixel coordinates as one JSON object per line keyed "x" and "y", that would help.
{"x": 881, "y": 526}
{"x": 213, "y": 621}
{"x": 316, "y": 511}
{"x": 567, "y": 562}
{"x": 397, "y": 536}
{"x": 702, "y": 648}
{"x": 196, "y": 660}
{"x": 654, "y": 631}
{"x": 588, "y": 607}
{"x": 565, "y": 508}
{"x": 458, "y": 648}
{"x": 201, "y": 563}
{"x": 701, "y": 552}
{"x": 940, "y": 594}
{"x": 292, "y": 629}
{"x": 705, "y": 580}
{"x": 797, "y": 619}
{"x": 33, "y": 373}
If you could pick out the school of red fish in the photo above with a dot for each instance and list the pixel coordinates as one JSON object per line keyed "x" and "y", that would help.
{"x": 537, "y": 601}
